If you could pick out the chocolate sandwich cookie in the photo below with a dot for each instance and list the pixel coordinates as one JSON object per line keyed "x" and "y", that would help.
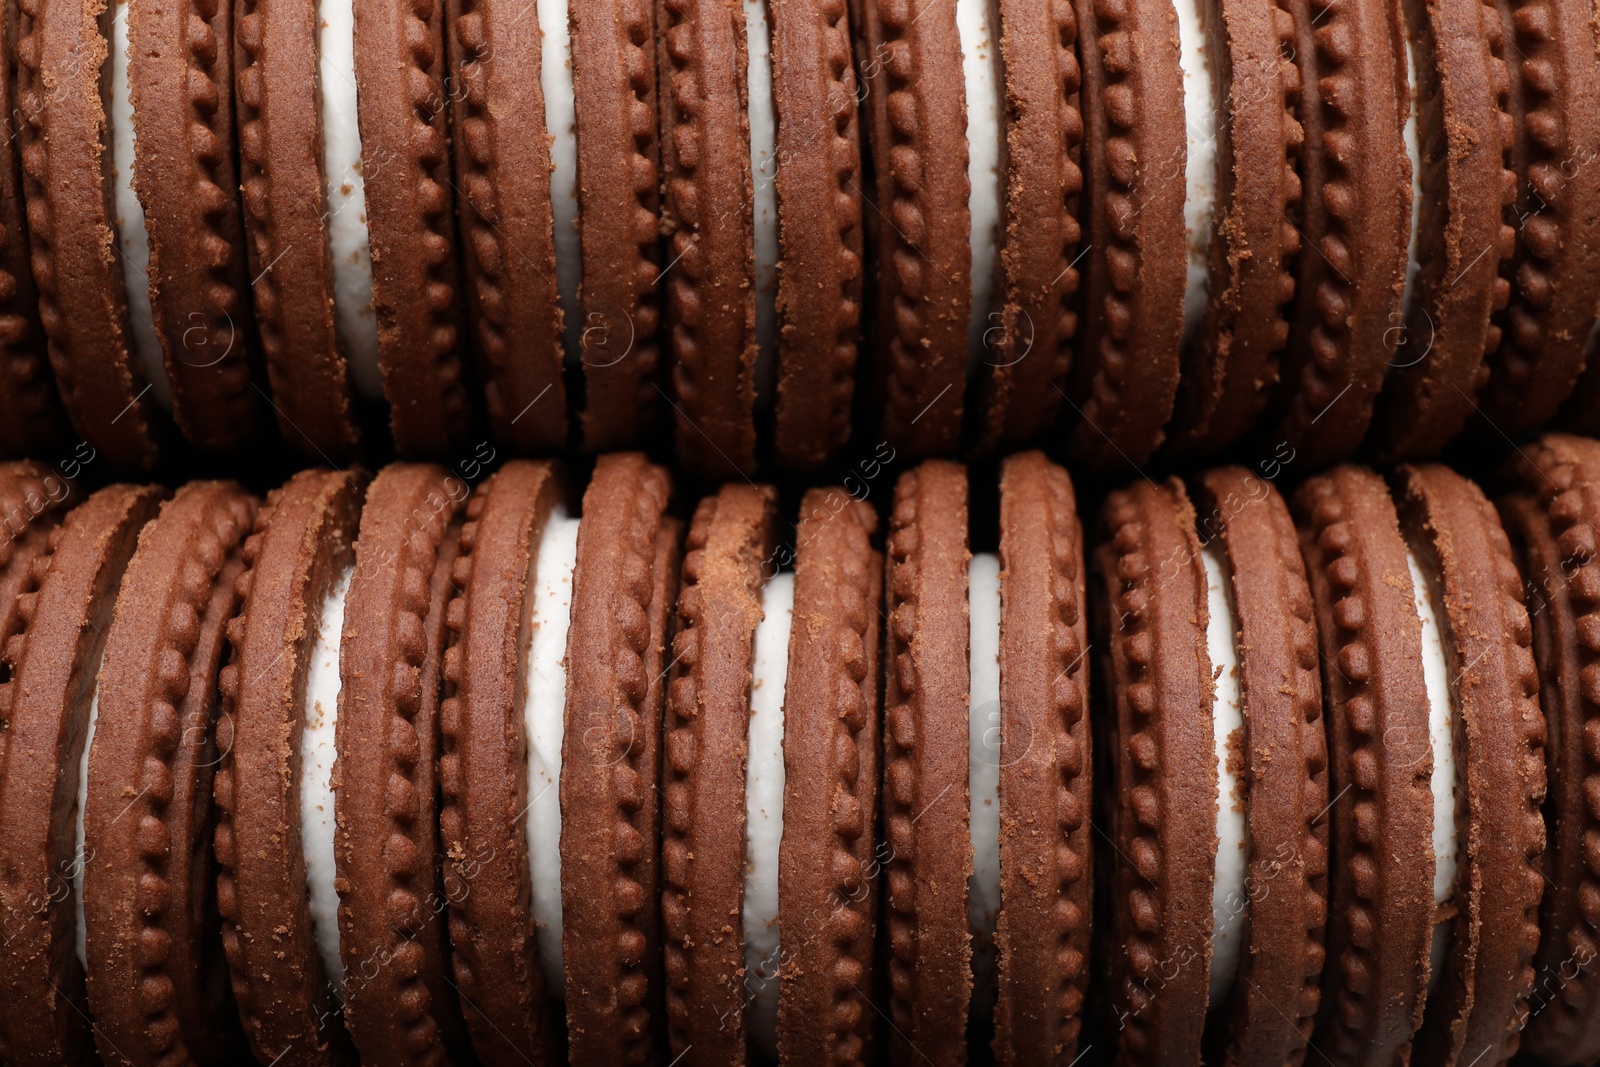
{"x": 771, "y": 784}
{"x": 1217, "y": 790}
{"x": 275, "y": 745}
{"x": 623, "y": 588}
{"x": 559, "y": 275}
{"x": 388, "y": 868}
{"x": 1459, "y": 135}
{"x": 1125, "y": 377}
{"x": 1356, "y": 213}
{"x": 348, "y": 208}
{"x": 46, "y": 702}
{"x": 1552, "y": 510}
{"x": 762, "y": 163}
{"x": 503, "y": 666}
{"x": 531, "y": 759}
{"x": 330, "y": 883}
{"x": 1436, "y": 750}
{"x": 1240, "y": 93}
{"x": 1555, "y": 272}
{"x": 126, "y": 126}
{"x": 986, "y": 769}
{"x": 972, "y": 110}
{"x": 149, "y": 932}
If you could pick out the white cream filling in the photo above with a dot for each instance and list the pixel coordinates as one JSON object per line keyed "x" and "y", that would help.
{"x": 348, "y": 240}
{"x": 763, "y": 809}
{"x": 133, "y": 239}
{"x": 983, "y": 773}
{"x": 1414, "y": 152}
{"x": 544, "y": 706}
{"x": 1441, "y": 736}
{"x": 764, "y": 185}
{"x": 79, "y": 855}
{"x": 1200, "y": 166}
{"x": 561, "y": 126}
{"x": 317, "y": 753}
{"x": 980, "y": 68}
{"x": 1229, "y": 889}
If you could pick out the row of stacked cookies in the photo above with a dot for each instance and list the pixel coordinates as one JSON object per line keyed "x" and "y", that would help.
{"x": 1134, "y": 225}
{"x": 435, "y": 772}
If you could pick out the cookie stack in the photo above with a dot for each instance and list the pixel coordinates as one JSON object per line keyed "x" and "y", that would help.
{"x": 1127, "y": 228}
{"x": 398, "y": 767}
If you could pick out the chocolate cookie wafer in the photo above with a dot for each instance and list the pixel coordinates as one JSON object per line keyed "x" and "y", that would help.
{"x": 1217, "y": 777}
{"x": 1555, "y": 272}
{"x": 1242, "y": 191}
{"x": 551, "y": 285}
{"x": 127, "y": 156}
{"x": 46, "y": 703}
{"x": 987, "y": 770}
{"x": 388, "y": 868}
{"x": 779, "y": 667}
{"x": 348, "y": 208}
{"x": 1041, "y": 758}
{"x": 1435, "y": 749}
{"x": 708, "y": 837}
{"x": 927, "y": 688}
{"x": 503, "y": 706}
{"x": 1459, "y": 132}
{"x": 974, "y": 121}
{"x": 1356, "y": 212}
{"x": 1552, "y": 510}
{"x": 157, "y": 978}
{"x": 762, "y": 170}
{"x": 1125, "y": 378}
{"x": 275, "y": 742}
{"x": 624, "y": 583}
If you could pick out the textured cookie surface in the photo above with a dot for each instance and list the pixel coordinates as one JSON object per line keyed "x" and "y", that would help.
{"x": 1285, "y": 767}
{"x": 711, "y": 290}
{"x": 157, "y": 979}
{"x": 619, "y": 148}
{"x": 827, "y": 885}
{"x": 1028, "y": 348}
{"x": 819, "y": 298}
{"x": 185, "y": 180}
{"x": 927, "y": 676}
{"x": 1161, "y": 782}
{"x": 1355, "y": 221}
{"x": 1125, "y": 372}
{"x": 483, "y": 765}
{"x": 1042, "y": 935}
{"x": 300, "y": 545}
{"x": 51, "y": 662}
{"x": 399, "y": 72}
{"x": 1381, "y": 911}
{"x": 1231, "y": 364}
{"x": 401, "y": 1010}
{"x": 915, "y": 111}
{"x": 61, "y": 53}
{"x": 703, "y": 782}
{"x": 286, "y": 223}
{"x": 1555, "y": 272}
{"x": 1463, "y": 235}
{"x": 622, "y": 593}
{"x": 1552, "y": 511}
{"x": 1478, "y": 1004}
{"x": 503, "y": 181}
